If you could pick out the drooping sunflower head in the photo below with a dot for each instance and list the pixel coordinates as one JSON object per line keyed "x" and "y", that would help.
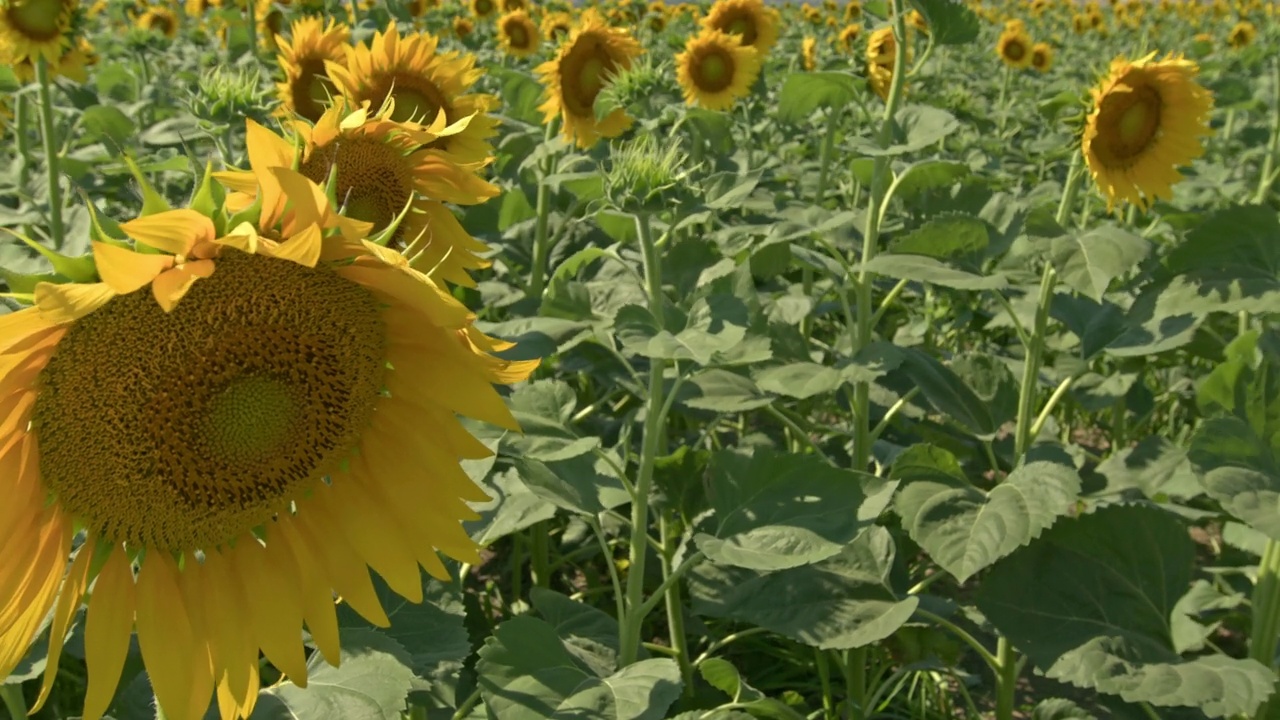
{"x": 518, "y": 34}
{"x": 715, "y": 69}
{"x": 161, "y": 19}
{"x": 423, "y": 84}
{"x": 1242, "y": 34}
{"x": 36, "y": 28}
{"x": 882, "y": 58}
{"x": 556, "y": 26}
{"x": 809, "y": 53}
{"x": 306, "y": 89}
{"x": 848, "y": 37}
{"x": 483, "y": 9}
{"x": 753, "y": 22}
{"x": 1041, "y": 56}
{"x": 232, "y": 409}
{"x": 1147, "y": 120}
{"x": 853, "y": 11}
{"x": 582, "y": 68}
{"x": 1014, "y": 48}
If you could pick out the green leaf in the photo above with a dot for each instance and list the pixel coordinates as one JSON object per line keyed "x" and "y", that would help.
{"x": 845, "y": 601}
{"x": 966, "y": 530}
{"x": 1155, "y": 466}
{"x": 722, "y": 391}
{"x": 107, "y": 122}
{"x": 804, "y": 92}
{"x": 957, "y": 237}
{"x": 950, "y": 22}
{"x": 588, "y": 633}
{"x": 1088, "y": 262}
{"x": 929, "y": 175}
{"x": 526, "y": 673}
{"x": 920, "y": 126}
{"x": 799, "y": 380}
{"x": 1239, "y": 470}
{"x": 373, "y": 681}
{"x": 432, "y": 632}
{"x": 947, "y": 392}
{"x": 576, "y": 484}
{"x": 515, "y": 209}
{"x": 521, "y": 94}
{"x": 1241, "y": 236}
{"x": 931, "y": 270}
{"x": 714, "y": 325}
{"x": 726, "y": 191}
{"x": 723, "y": 676}
{"x": 1090, "y": 603}
{"x": 514, "y": 507}
{"x": 775, "y": 511}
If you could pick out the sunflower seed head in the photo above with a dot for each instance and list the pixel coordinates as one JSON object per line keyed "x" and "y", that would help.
{"x": 644, "y": 174}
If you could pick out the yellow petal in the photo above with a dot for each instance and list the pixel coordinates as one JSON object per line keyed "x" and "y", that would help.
{"x": 410, "y": 289}
{"x": 27, "y": 604}
{"x": 345, "y": 569}
{"x": 234, "y": 650}
{"x": 239, "y": 181}
{"x": 172, "y": 285}
{"x": 125, "y": 270}
{"x": 196, "y": 596}
{"x": 171, "y": 231}
{"x": 15, "y": 412}
{"x": 380, "y": 543}
{"x": 68, "y": 603}
{"x": 169, "y": 647}
{"x": 303, "y": 248}
{"x": 20, "y": 466}
{"x": 277, "y": 625}
{"x": 107, "y": 627}
{"x": 16, "y": 327}
{"x": 266, "y": 149}
{"x": 318, "y": 607}
{"x": 446, "y": 381}
{"x": 66, "y": 303}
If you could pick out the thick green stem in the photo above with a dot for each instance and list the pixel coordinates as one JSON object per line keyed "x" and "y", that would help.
{"x": 824, "y": 679}
{"x": 675, "y": 605}
{"x": 1006, "y": 678}
{"x": 14, "y": 702}
{"x": 251, "y": 17}
{"x": 871, "y": 239}
{"x": 824, "y": 155}
{"x": 1266, "y": 612}
{"x": 542, "y": 235}
{"x": 855, "y": 681}
{"x": 651, "y": 442}
{"x": 1273, "y": 149}
{"x": 22, "y": 130}
{"x": 48, "y": 133}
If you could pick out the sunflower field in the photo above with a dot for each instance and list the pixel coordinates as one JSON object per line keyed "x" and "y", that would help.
{"x": 518, "y": 359}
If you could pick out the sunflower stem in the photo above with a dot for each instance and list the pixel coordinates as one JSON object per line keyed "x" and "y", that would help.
{"x": 540, "y": 554}
{"x": 1266, "y": 611}
{"x": 667, "y": 529}
{"x": 542, "y": 235}
{"x": 251, "y": 15}
{"x": 14, "y": 702}
{"x": 1273, "y": 149}
{"x": 651, "y": 442}
{"x": 48, "y": 133}
{"x": 22, "y": 130}
{"x": 1006, "y": 678}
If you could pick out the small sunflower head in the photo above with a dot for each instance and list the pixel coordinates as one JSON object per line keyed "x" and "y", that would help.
{"x": 645, "y": 176}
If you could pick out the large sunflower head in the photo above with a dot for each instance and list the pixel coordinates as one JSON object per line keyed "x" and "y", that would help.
{"x": 36, "y": 28}
{"x": 1041, "y": 57}
{"x": 755, "y": 23}
{"x": 1014, "y": 48}
{"x": 518, "y": 34}
{"x": 306, "y": 89}
{"x": 1147, "y": 120}
{"x": 582, "y": 68}
{"x": 384, "y": 174}
{"x": 272, "y": 408}
{"x": 556, "y": 26}
{"x": 715, "y": 69}
{"x": 423, "y": 84}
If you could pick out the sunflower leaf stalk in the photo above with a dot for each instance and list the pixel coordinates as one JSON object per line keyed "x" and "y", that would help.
{"x": 542, "y": 235}
{"x": 48, "y": 135}
{"x": 1266, "y": 613}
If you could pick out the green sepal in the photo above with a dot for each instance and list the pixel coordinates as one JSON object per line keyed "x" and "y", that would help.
{"x": 208, "y": 198}
{"x": 76, "y": 269}
{"x": 152, "y": 201}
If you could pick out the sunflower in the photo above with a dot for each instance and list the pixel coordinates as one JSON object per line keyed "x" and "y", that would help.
{"x": 36, "y": 28}
{"x": 916, "y": 19}
{"x": 197, "y": 8}
{"x": 1080, "y": 24}
{"x": 853, "y": 11}
{"x": 752, "y": 21}
{"x": 517, "y": 34}
{"x": 71, "y": 65}
{"x": 158, "y": 18}
{"x": 387, "y": 176}
{"x": 1242, "y": 34}
{"x": 1148, "y": 117}
{"x": 1014, "y": 48}
{"x": 809, "y": 53}
{"x": 1041, "y": 57}
{"x": 557, "y": 26}
{"x": 417, "y": 8}
{"x": 423, "y": 83}
{"x": 462, "y": 27}
{"x": 298, "y": 427}
{"x": 581, "y": 69}
{"x": 848, "y": 37}
{"x": 510, "y": 6}
{"x": 882, "y": 58}
{"x": 306, "y": 89}
{"x": 715, "y": 69}
{"x": 483, "y": 9}
{"x": 657, "y": 22}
